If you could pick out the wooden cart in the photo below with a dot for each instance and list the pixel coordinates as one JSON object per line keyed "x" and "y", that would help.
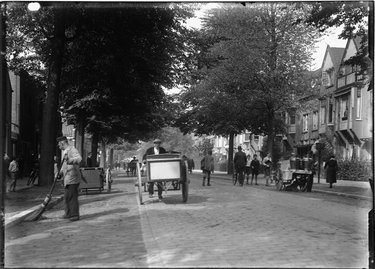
{"x": 169, "y": 169}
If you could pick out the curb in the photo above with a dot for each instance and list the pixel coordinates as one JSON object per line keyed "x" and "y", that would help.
{"x": 344, "y": 194}
{"x": 19, "y": 217}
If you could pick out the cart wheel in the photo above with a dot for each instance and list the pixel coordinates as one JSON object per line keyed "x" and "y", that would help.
{"x": 185, "y": 191}
{"x": 139, "y": 185}
{"x": 279, "y": 185}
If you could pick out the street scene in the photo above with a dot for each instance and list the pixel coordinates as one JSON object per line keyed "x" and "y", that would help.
{"x": 187, "y": 134}
{"x": 221, "y": 225}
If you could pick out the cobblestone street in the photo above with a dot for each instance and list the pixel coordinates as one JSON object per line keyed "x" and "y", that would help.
{"x": 220, "y": 226}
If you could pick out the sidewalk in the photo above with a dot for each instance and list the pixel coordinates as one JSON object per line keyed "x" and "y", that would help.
{"x": 353, "y": 189}
{"x": 28, "y": 198}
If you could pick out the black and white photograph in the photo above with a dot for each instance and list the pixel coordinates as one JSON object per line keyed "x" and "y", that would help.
{"x": 187, "y": 134}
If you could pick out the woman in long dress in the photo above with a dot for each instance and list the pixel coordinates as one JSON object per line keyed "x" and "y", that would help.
{"x": 331, "y": 167}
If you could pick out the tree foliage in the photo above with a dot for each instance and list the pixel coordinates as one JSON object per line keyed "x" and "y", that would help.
{"x": 252, "y": 70}
{"x": 111, "y": 61}
{"x": 355, "y": 18}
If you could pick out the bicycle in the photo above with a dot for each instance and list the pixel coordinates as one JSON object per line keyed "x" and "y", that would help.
{"x": 33, "y": 176}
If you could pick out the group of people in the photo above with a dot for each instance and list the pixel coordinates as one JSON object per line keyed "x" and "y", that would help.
{"x": 245, "y": 165}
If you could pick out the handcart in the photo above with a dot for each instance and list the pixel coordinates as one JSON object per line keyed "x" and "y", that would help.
{"x": 298, "y": 180}
{"x": 168, "y": 169}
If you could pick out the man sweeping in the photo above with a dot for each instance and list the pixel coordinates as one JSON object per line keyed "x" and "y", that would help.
{"x": 71, "y": 175}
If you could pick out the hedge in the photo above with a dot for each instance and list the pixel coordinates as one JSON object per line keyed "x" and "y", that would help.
{"x": 354, "y": 170}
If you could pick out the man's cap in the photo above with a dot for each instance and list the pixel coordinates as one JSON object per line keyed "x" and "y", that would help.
{"x": 62, "y": 138}
{"x": 157, "y": 140}
{"x": 239, "y": 147}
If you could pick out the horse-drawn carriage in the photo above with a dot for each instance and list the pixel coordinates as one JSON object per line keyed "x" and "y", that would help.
{"x": 168, "y": 169}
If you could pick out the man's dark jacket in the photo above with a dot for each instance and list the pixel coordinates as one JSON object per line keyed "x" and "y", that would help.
{"x": 150, "y": 151}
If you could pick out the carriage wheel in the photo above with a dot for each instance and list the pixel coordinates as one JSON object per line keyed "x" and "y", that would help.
{"x": 185, "y": 191}
{"x": 279, "y": 185}
{"x": 139, "y": 185}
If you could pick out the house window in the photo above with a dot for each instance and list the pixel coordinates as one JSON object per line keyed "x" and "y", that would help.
{"x": 330, "y": 112}
{"x": 322, "y": 115}
{"x": 315, "y": 120}
{"x": 292, "y": 118}
{"x": 247, "y": 136}
{"x": 305, "y": 127}
{"x": 344, "y": 108}
{"x": 359, "y": 104}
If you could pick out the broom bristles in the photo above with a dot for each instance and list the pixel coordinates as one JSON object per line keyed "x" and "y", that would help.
{"x": 34, "y": 216}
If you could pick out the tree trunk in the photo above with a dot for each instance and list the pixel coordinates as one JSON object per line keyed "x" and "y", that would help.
{"x": 80, "y": 137}
{"x": 271, "y": 134}
{"x": 111, "y": 158}
{"x": 230, "y": 153}
{"x": 94, "y": 149}
{"x": 50, "y": 107}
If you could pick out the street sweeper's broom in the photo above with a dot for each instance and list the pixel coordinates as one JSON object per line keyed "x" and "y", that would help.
{"x": 38, "y": 213}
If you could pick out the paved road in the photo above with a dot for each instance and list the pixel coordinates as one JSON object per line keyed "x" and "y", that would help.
{"x": 220, "y": 226}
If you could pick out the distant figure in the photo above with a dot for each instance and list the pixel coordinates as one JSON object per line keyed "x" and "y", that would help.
{"x": 247, "y": 168}
{"x": 207, "y": 165}
{"x": 240, "y": 164}
{"x": 155, "y": 150}
{"x": 133, "y": 166}
{"x": 13, "y": 171}
{"x": 254, "y": 166}
{"x": 6, "y": 162}
{"x": 89, "y": 160}
{"x": 267, "y": 161}
{"x": 331, "y": 167}
{"x": 191, "y": 165}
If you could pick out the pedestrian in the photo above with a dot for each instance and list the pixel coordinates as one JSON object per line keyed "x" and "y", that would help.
{"x": 207, "y": 166}
{"x": 267, "y": 161}
{"x": 13, "y": 171}
{"x": 155, "y": 150}
{"x": 331, "y": 168}
{"x": 240, "y": 164}
{"x": 71, "y": 175}
{"x": 254, "y": 166}
{"x": 191, "y": 165}
{"x": 247, "y": 168}
{"x": 89, "y": 160}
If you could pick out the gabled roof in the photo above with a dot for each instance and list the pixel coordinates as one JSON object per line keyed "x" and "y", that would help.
{"x": 337, "y": 54}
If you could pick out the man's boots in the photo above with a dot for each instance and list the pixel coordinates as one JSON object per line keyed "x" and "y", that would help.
{"x": 208, "y": 182}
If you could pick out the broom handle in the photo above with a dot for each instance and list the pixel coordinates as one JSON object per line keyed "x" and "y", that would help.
{"x": 55, "y": 179}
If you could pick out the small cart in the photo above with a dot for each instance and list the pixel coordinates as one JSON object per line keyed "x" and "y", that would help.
{"x": 169, "y": 169}
{"x": 295, "y": 180}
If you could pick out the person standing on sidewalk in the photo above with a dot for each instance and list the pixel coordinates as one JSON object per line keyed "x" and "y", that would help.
{"x": 254, "y": 166}
{"x": 267, "y": 161}
{"x": 155, "y": 150}
{"x": 240, "y": 164}
{"x": 247, "y": 168}
{"x": 331, "y": 167}
{"x": 207, "y": 166}
{"x": 72, "y": 176}
{"x": 13, "y": 171}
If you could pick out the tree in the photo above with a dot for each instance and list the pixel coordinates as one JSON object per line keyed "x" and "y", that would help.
{"x": 37, "y": 43}
{"x": 253, "y": 70}
{"x": 111, "y": 65}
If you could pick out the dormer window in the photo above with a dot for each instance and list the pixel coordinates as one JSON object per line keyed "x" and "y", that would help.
{"x": 342, "y": 71}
